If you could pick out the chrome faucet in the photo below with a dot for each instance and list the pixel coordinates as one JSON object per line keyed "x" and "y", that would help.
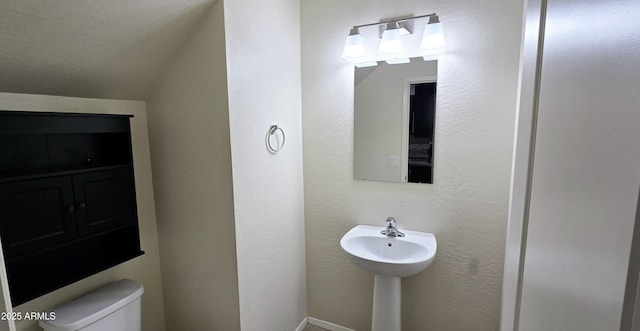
{"x": 391, "y": 230}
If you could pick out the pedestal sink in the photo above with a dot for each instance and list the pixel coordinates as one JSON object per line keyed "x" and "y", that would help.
{"x": 389, "y": 258}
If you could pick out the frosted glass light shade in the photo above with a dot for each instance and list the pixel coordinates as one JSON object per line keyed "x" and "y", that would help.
{"x": 433, "y": 42}
{"x": 354, "y": 48}
{"x": 391, "y": 45}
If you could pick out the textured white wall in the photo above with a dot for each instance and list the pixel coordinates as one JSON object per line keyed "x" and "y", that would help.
{"x": 263, "y": 66}
{"x": 466, "y": 208}
{"x": 189, "y": 132}
{"x": 145, "y": 268}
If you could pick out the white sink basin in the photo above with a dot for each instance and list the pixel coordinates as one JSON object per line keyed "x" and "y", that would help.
{"x": 393, "y": 256}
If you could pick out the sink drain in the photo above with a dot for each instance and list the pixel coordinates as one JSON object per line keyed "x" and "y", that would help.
{"x": 389, "y": 244}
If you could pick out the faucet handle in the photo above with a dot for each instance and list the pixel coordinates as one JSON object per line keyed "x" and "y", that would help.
{"x": 391, "y": 222}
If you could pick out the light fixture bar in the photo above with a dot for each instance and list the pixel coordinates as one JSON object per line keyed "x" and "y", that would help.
{"x": 400, "y": 20}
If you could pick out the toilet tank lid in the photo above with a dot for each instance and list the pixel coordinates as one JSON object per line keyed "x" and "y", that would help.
{"x": 94, "y": 306}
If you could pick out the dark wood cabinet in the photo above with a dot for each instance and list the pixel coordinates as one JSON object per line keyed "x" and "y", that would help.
{"x": 104, "y": 200}
{"x": 67, "y": 198}
{"x": 36, "y": 214}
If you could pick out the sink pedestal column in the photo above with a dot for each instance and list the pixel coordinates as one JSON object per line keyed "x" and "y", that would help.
{"x": 386, "y": 303}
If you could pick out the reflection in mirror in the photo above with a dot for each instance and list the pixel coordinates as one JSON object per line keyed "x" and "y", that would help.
{"x": 394, "y": 121}
{"x": 422, "y": 104}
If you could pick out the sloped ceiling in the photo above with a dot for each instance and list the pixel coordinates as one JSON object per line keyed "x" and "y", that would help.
{"x": 91, "y": 48}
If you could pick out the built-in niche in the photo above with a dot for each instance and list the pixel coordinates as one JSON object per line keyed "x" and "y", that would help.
{"x": 67, "y": 199}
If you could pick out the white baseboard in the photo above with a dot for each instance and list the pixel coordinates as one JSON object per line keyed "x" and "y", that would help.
{"x": 327, "y": 325}
{"x": 302, "y": 324}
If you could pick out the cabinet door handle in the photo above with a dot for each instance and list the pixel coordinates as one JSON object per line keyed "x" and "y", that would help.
{"x": 81, "y": 206}
{"x": 71, "y": 209}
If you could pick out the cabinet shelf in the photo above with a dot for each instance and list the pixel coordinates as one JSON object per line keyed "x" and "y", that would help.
{"x": 26, "y": 154}
{"x": 60, "y": 172}
{"x": 73, "y": 242}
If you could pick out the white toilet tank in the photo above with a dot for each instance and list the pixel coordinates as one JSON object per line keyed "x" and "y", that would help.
{"x": 115, "y": 306}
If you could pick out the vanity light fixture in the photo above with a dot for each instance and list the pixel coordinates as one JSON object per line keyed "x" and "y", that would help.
{"x": 354, "y": 50}
{"x": 433, "y": 42}
{"x": 392, "y": 47}
{"x": 354, "y": 46}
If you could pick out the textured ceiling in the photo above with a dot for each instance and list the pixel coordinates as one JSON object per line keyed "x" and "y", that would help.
{"x": 99, "y": 48}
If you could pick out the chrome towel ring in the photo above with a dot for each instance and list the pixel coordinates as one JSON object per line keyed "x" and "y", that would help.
{"x": 273, "y": 130}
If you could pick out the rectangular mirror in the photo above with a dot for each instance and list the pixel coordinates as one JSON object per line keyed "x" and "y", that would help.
{"x": 394, "y": 121}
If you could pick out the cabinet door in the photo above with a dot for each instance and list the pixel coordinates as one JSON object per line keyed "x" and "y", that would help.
{"x": 36, "y": 214}
{"x": 104, "y": 200}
